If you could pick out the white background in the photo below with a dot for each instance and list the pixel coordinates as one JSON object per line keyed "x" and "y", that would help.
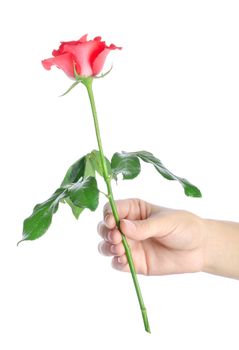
{"x": 173, "y": 91}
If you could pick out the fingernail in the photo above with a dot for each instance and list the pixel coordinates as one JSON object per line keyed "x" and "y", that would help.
{"x": 119, "y": 260}
{"x": 107, "y": 219}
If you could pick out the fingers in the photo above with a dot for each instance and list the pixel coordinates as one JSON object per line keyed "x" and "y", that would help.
{"x": 120, "y": 263}
{"x": 136, "y": 221}
{"x": 111, "y": 236}
{"x": 122, "y": 260}
{"x": 140, "y": 229}
{"x": 122, "y": 208}
{"x": 132, "y": 209}
{"x": 112, "y": 246}
{"x": 108, "y": 249}
{"x": 134, "y": 229}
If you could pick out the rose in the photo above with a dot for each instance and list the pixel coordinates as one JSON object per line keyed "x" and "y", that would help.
{"x": 82, "y": 60}
{"x": 86, "y": 58}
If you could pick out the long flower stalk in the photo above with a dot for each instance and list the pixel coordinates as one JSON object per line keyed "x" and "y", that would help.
{"x": 107, "y": 177}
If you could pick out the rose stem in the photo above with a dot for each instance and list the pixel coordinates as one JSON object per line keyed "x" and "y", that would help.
{"x": 88, "y": 83}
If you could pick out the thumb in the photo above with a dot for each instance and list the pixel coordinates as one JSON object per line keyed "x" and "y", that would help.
{"x": 140, "y": 229}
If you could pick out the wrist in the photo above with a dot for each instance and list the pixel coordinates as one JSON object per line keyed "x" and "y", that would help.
{"x": 210, "y": 244}
{"x": 221, "y": 251}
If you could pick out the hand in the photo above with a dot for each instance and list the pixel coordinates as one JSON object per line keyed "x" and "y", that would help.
{"x": 162, "y": 240}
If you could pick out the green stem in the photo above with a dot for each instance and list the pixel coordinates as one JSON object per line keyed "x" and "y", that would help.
{"x": 88, "y": 83}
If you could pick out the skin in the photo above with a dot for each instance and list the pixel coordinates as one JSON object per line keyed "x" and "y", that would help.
{"x": 168, "y": 241}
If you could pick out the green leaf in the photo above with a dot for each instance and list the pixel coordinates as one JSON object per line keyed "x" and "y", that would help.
{"x": 85, "y": 193}
{"x": 75, "y": 210}
{"x": 89, "y": 167}
{"x": 81, "y": 169}
{"x": 38, "y": 223}
{"x": 125, "y": 163}
{"x": 75, "y": 172}
{"x": 94, "y": 158}
{"x": 189, "y": 189}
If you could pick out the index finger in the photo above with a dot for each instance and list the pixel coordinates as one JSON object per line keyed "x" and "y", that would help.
{"x": 109, "y": 221}
{"x": 131, "y": 209}
{"x": 122, "y": 209}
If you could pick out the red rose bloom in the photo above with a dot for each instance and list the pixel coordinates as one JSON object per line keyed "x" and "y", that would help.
{"x": 87, "y": 56}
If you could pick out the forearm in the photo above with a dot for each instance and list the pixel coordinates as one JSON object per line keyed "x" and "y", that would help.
{"x": 222, "y": 248}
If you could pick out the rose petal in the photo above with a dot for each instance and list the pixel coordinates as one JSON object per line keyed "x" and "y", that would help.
{"x": 83, "y": 54}
{"x": 61, "y": 50}
{"x": 88, "y": 56}
{"x": 97, "y": 38}
{"x": 64, "y": 62}
{"x": 99, "y": 61}
{"x": 114, "y": 47}
{"x": 83, "y": 39}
